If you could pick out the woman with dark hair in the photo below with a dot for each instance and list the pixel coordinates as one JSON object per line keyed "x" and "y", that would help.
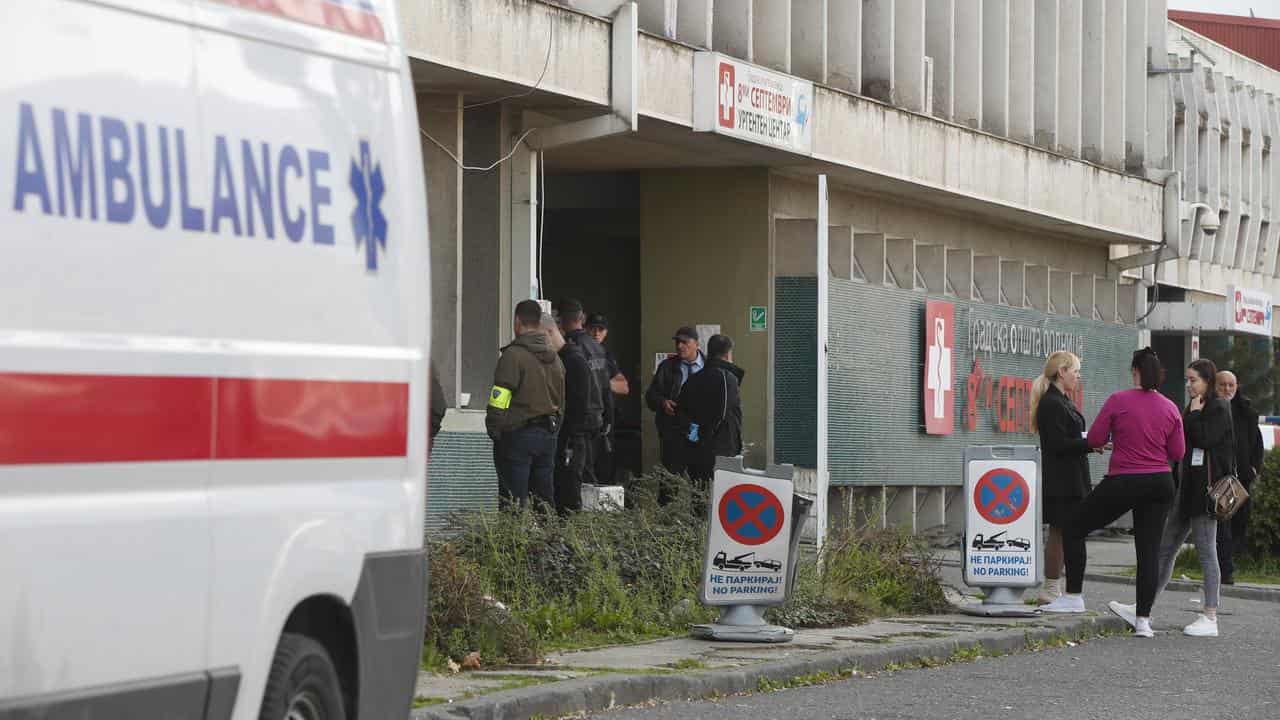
{"x": 1210, "y": 454}
{"x": 1145, "y": 429}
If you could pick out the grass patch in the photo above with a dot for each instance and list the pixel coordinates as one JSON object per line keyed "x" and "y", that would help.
{"x": 1262, "y": 571}
{"x": 688, "y": 664}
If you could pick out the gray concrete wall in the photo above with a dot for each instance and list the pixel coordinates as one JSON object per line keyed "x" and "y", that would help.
{"x": 440, "y": 116}
{"x": 481, "y": 253}
{"x": 704, "y": 258}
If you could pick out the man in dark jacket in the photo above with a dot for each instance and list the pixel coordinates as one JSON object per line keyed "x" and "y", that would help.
{"x": 588, "y": 406}
{"x": 1249, "y": 452}
{"x": 525, "y": 409}
{"x": 664, "y": 393}
{"x": 711, "y": 405}
{"x": 438, "y": 406}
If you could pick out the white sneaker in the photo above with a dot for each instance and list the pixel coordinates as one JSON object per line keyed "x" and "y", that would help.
{"x": 1142, "y": 628}
{"x": 1202, "y": 627}
{"x": 1128, "y": 613}
{"x": 1066, "y": 604}
{"x": 1050, "y": 591}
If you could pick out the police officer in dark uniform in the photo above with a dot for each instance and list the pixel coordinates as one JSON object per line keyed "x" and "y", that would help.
{"x": 588, "y": 406}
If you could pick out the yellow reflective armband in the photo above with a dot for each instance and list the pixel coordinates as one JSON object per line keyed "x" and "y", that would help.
{"x": 500, "y": 398}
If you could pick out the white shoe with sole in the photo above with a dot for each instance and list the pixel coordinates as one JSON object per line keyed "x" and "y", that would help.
{"x": 1050, "y": 591}
{"x": 1142, "y": 628}
{"x": 1204, "y": 626}
{"x": 1067, "y": 604}
{"x": 1128, "y": 613}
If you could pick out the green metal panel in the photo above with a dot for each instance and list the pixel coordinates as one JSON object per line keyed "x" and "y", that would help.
{"x": 461, "y": 477}
{"x": 876, "y": 365}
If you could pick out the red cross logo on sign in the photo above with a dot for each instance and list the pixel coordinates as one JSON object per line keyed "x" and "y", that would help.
{"x": 939, "y": 402}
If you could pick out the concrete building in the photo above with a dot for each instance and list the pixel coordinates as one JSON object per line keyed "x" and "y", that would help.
{"x": 827, "y": 181}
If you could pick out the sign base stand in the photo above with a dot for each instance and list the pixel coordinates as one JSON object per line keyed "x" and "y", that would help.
{"x": 743, "y": 623}
{"x": 1001, "y": 602}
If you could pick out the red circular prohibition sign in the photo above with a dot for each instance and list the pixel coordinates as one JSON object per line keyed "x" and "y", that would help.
{"x": 1001, "y": 496}
{"x": 750, "y": 514}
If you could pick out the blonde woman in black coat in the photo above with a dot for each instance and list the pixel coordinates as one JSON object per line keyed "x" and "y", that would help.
{"x": 1064, "y": 457}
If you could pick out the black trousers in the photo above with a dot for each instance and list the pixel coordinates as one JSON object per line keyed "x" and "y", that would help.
{"x": 525, "y": 461}
{"x": 1231, "y": 537}
{"x": 1149, "y": 497}
{"x": 574, "y": 466}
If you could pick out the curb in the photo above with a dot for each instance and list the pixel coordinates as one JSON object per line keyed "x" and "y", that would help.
{"x": 1240, "y": 592}
{"x": 603, "y": 692}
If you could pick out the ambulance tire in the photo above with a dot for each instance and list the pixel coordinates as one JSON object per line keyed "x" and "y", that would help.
{"x": 303, "y": 684}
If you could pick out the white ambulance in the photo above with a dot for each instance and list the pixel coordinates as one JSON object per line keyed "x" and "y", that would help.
{"x": 213, "y": 343}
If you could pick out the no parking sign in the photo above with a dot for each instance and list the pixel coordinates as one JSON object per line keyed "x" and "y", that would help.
{"x": 749, "y": 539}
{"x": 1002, "y": 516}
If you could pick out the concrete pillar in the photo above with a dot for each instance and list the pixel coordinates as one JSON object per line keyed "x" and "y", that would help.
{"x": 960, "y": 273}
{"x": 877, "y": 50}
{"x": 968, "y": 59}
{"x": 771, "y": 34}
{"x": 694, "y": 21}
{"x": 995, "y": 66}
{"x": 1136, "y": 85}
{"x": 1093, "y": 69}
{"x": 1229, "y": 234}
{"x": 1022, "y": 76}
{"x": 1047, "y": 74}
{"x": 1158, "y": 89}
{"x": 484, "y": 195}
{"x": 1070, "y": 45}
{"x": 940, "y": 44}
{"x": 522, "y": 246}
{"x": 1251, "y": 174}
{"x": 440, "y": 116}
{"x": 809, "y": 39}
{"x": 844, "y": 46}
{"x": 732, "y": 28}
{"x": 908, "y": 54}
{"x": 658, "y": 17}
{"x": 1113, "y": 85}
{"x": 1270, "y": 239}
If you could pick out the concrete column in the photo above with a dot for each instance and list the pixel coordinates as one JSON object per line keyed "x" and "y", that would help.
{"x": 1022, "y": 76}
{"x": 1093, "y": 69}
{"x": 940, "y": 44}
{"x": 483, "y": 197}
{"x": 694, "y": 21}
{"x": 440, "y": 116}
{"x": 1113, "y": 85}
{"x": 844, "y": 46}
{"x": 732, "y": 28}
{"x": 1070, "y": 65}
{"x": 908, "y": 54}
{"x": 522, "y": 245}
{"x": 809, "y": 39}
{"x": 1270, "y": 239}
{"x": 1158, "y": 89}
{"x": 1251, "y": 174}
{"x": 771, "y": 34}
{"x": 1047, "y": 73}
{"x": 995, "y": 66}
{"x": 658, "y": 17}
{"x": 1136, "y": 84}
{"x": 877, "y": 50}
{"x": 968, "y": 59}
{"x": 1185, "y": 119}
{"x": 1232, "y": 184}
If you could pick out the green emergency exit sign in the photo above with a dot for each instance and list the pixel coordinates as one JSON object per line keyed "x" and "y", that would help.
{"x": 759, "y": 318}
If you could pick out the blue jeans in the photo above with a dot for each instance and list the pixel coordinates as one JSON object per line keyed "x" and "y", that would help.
{"x": 525, "y": 460}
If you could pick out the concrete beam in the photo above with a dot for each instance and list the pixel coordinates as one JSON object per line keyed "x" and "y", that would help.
{"x": 1022, "y": 76}
{"x": 968, "y": 59}
{"x": 1093, "y": 71}
{"x": 809, "y": 39}
{"x": 1070, "y": 67}
{"x": 1013, "y": 283}
{"x": 1113, "y": 84}
{"x": 940, "y": 44}
{"x": 694, "y": 22}
{"x": 1038, "y": 288}
{"x": 1047, "y": 73}
{"x": 869, "y": 252}
{"x": 908, "y": 54}
{"x": 960, "y": 273}
{"x": 878, "y": 45}
{"x": 900, "y": 262}
{"x": 771, "y": 34}
{"x": 732, "y": 32}
{"x": 995, "y": 66}
{"x": 986, "y": 278}
{"x": 931, "y": 263}
{"x": 844, "y": 46}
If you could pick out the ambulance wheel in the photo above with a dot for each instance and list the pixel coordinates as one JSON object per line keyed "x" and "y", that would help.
{"x": 303, "y": 684}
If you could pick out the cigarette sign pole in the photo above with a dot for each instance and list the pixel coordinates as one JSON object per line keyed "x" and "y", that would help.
{"x": 1002, "y": 527}
{"x": 754, "y": 521}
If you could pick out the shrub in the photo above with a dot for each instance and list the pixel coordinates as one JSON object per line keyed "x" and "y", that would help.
{"x": 1263, "y": 536}
{"x": 883, "y": 570}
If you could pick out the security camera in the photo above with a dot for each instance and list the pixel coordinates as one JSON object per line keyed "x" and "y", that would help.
{"x": 1209, "y": 223}
{"x": 1208, "y": 217}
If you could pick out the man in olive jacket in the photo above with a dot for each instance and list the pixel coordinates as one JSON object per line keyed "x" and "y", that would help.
{"x": 526, "y": 406}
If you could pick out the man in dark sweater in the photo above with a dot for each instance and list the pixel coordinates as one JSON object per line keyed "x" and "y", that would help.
{"x": 711, "y": 405}
{"x": 1231, "y": 534}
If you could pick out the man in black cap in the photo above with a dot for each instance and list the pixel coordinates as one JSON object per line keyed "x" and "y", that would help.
{"x": 664, "y": 394}
{"x": 588, "y": 406}
{"x": 598, "y": 329}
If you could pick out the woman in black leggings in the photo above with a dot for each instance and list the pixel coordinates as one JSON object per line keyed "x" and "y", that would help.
{"x": 1145, "y": 429}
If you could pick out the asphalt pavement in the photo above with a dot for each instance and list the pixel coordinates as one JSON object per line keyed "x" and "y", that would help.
{"x": 1170, "y": 677}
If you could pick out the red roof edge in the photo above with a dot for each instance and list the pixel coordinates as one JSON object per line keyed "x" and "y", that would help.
{"x": 1179, "y": 16}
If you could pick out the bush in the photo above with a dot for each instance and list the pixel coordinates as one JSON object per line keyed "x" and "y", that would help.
{"x": 885, "y": 571}
{"x": 1263, "y": 536}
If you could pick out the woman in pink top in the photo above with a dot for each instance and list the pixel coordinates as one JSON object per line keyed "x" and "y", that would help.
{"x": 1145, "y": 429}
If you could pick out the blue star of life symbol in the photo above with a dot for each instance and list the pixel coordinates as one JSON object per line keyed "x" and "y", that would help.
{"x": 367, "y": 221}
